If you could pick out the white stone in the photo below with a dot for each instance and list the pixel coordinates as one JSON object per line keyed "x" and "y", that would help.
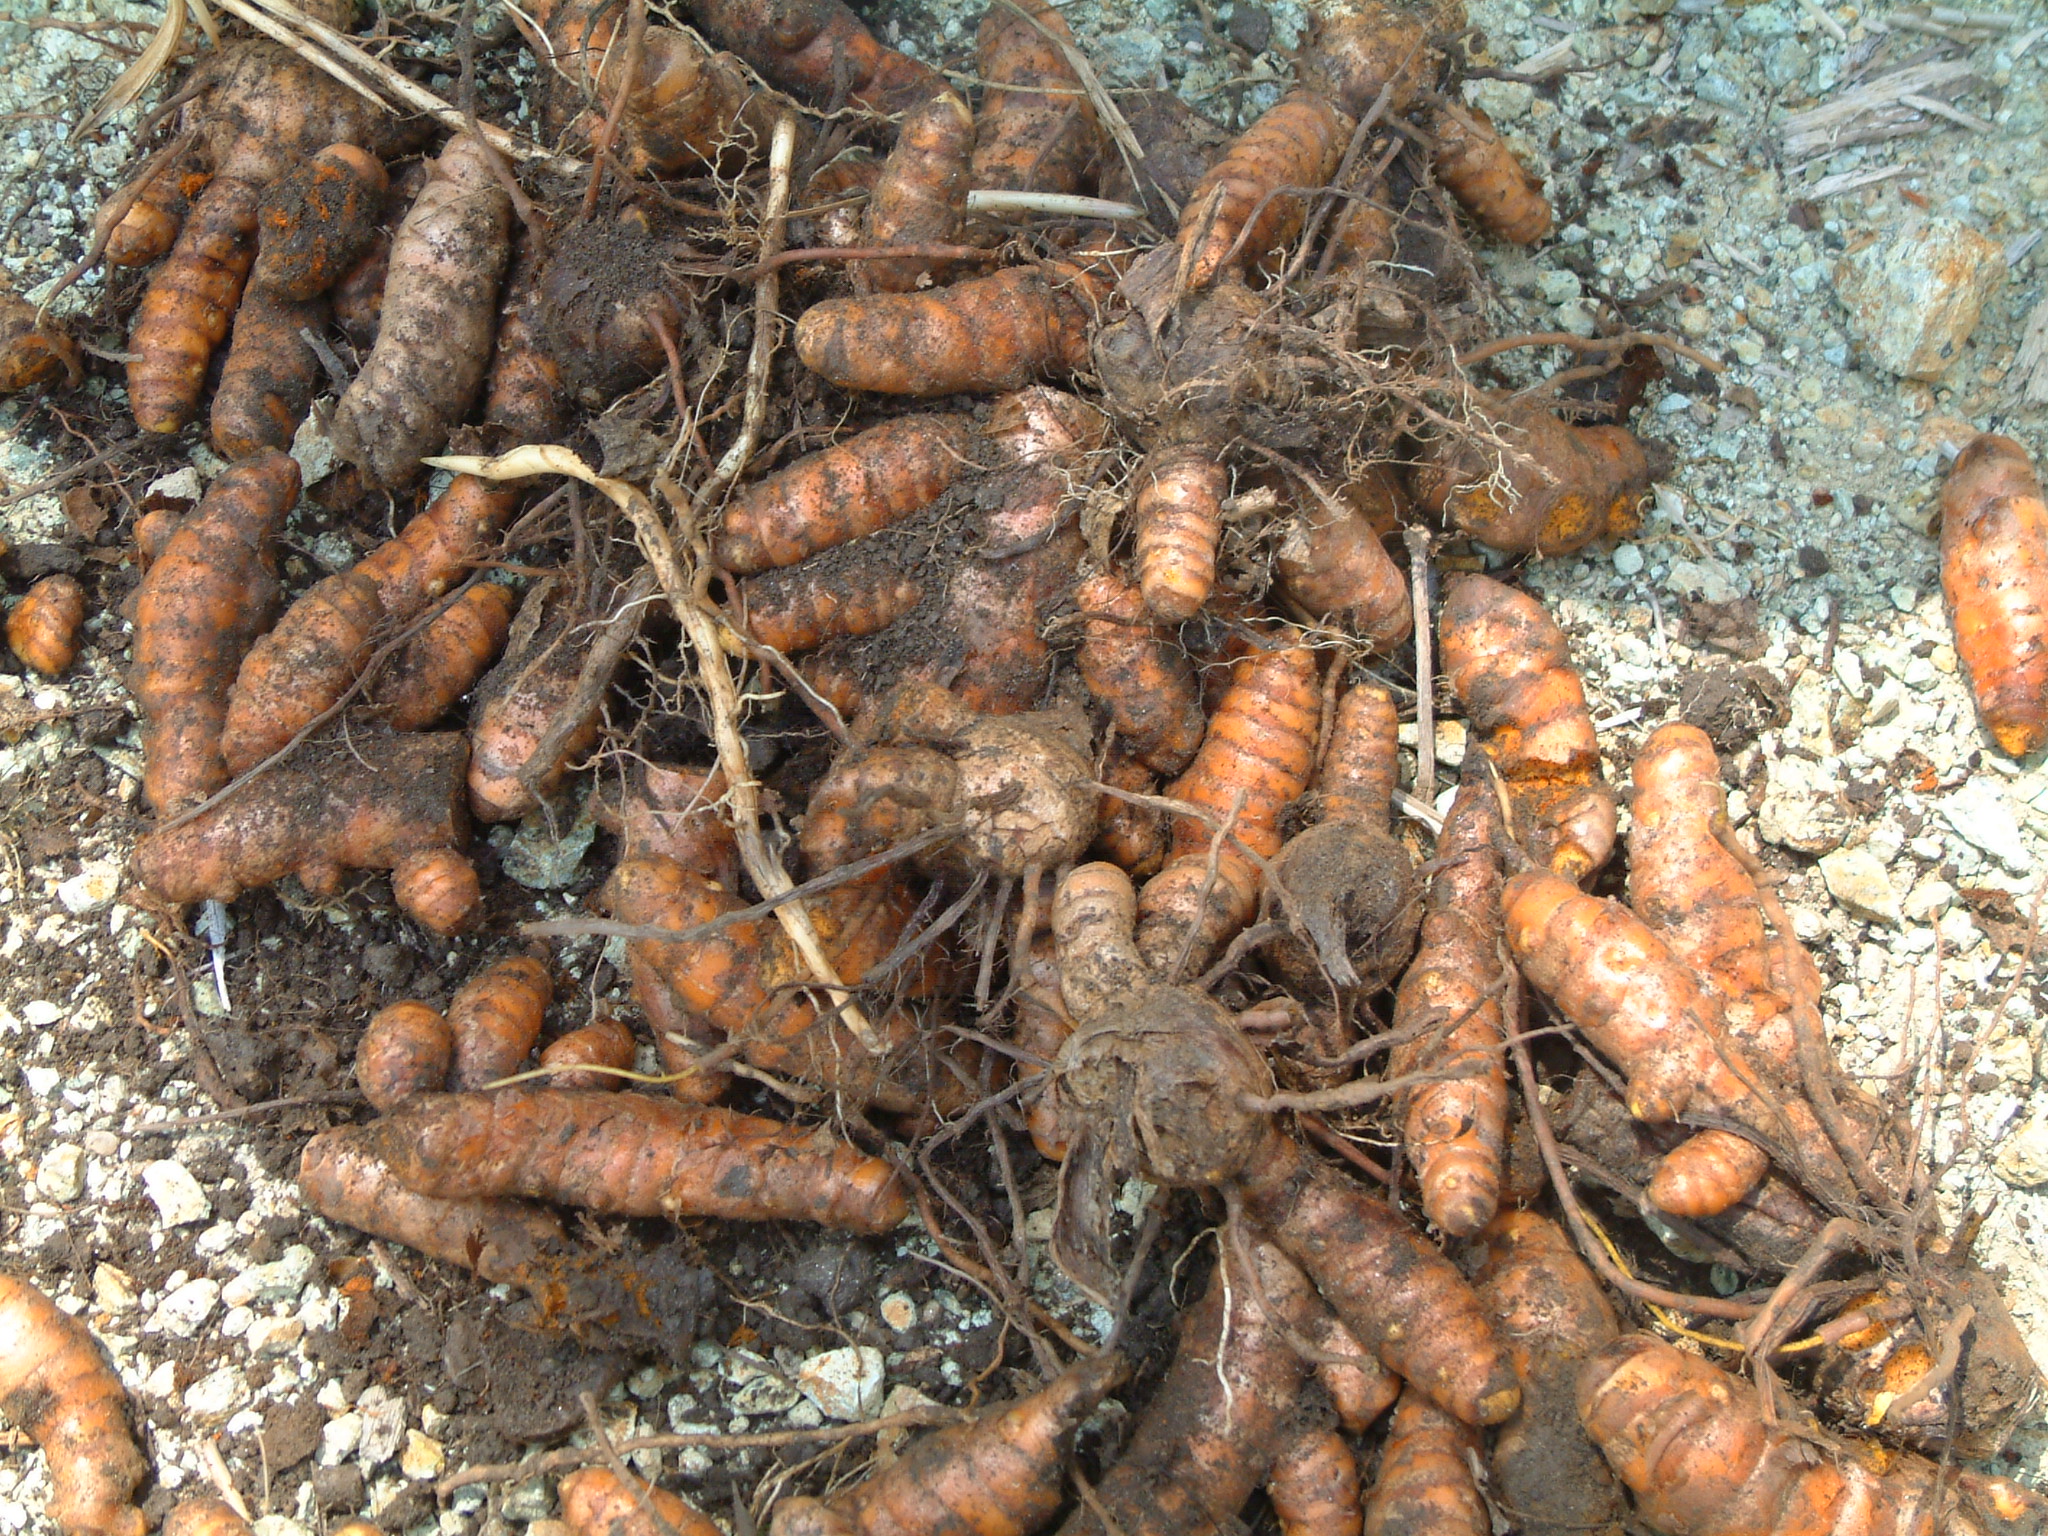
{"x": 1712, "y": 581}
{"x": 1981, "y": 818}
{"x": 275, "y": 1335}
{"x": 1857, "y": 880}
{"x": 1628, "y": 560}
{"x": 92, "y": 889}
{"x": 41, "y": 1013}
{"x": 112, "y": 1289}
{"x": 1811, "y": 702}
{"x": 61, "y": 1174}
{"x": 280, "y": 1280}
{"x": 1800, "y": 808}
{"x": 181, "y": 1312}
{"x": 844, "y": 1383}
{"x": 184, "y": 484}
{"x": 278, "y": 1525}
{"x": 2023, "y": 1160}
{"x": 422, "y": 1457}
{"x": 804, "y": 1415}
{"x": 383, "y": 1427}
{"x": 1928, "y": 900}
{"x": 339, "y": 1437}
{"x": 216, "y": 1395}
{"x": 179, "y": 1199}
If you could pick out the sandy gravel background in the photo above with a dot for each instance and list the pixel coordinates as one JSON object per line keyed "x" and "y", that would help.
{"x": 1787, "y": 571}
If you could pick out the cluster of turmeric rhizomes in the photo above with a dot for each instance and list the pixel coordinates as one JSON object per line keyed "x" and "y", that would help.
{"x": 1699, "y": 997}
{"x": 224, "y": 694}
{"x": 465, "y": 1165}
{"x": 939, "y": 545}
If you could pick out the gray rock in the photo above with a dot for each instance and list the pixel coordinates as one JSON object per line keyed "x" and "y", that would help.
{"x": 1709, "y": 580}
{"x": 1786, "y": 61}
{"x": 547, "y": 849}
{"x": 533, "y": 1499}
{"x": 1914, "y": 299}
{"x": 757, "y": 1387}
{"x": 1130, "y": 57}
{"x": 1719, "y": 90}
{"x": 1857, "y": 881}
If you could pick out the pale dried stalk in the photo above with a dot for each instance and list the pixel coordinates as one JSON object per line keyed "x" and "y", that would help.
{"x": 702, "y": 627}
{"x": 1874, "y": 110}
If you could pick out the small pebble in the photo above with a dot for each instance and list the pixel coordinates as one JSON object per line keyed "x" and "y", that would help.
{"x": 92, "y": 889}
{"x": 281, "y": 1280}
{"x": 1928, "y": 900}
{"x": 1628, "y": 560}
{"x": 181, "y": 1312}
{"x": 422, "y": 1458}
{"x": 383, "y": 1427}
{"x": 339, "y": 1438}
{"x": 275, "y": 1335}
{"x": 2023, "y": 1160}
{"x": 846, "y": 1383}
{"x": 1979, "y": 815}
{"x": 176, "y": 1194}
{"x": 217, "y": 1394}
{"x": 61, "y": 1174}
{"x": 1858, "y": 881}
{"x": 112, "y": 1289}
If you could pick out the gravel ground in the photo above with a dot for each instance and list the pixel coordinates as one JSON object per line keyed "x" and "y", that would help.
{"x": 1785, "y": 588}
